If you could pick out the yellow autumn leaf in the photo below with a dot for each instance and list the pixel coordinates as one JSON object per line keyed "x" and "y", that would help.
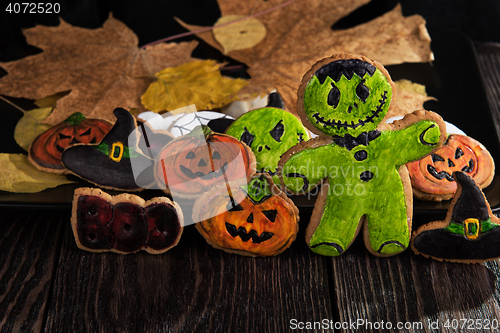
{"x": 197, "y": 82}
{"x": 239, "y": 35}
{"x": 18, "y": 175}
{"x": 411, "y": 86}
{"x": 30, "y": 126}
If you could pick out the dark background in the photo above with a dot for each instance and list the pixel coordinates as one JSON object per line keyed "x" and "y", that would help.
{"x": 153, "y": 19}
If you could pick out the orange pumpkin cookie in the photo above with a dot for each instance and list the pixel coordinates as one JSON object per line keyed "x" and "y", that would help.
{"x": 46, "y": 150}
{"x": 254, "y": 219}
{"x": 194, "y": 163}
{"x": 431, "y": 177}
{"x": 124, "y": 223}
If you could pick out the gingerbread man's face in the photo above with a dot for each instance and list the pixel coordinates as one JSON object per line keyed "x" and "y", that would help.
{"x": 347, "y": 96}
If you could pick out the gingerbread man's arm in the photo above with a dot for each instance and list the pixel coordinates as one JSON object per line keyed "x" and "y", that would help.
{"x": 417, "y": 135}
{"x": 305, "y": 165}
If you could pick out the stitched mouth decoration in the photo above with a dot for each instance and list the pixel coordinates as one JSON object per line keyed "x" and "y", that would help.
{"x": 252, "y": 234}
{"x": 210, "y": 175}
{"x": 361, "y": 122}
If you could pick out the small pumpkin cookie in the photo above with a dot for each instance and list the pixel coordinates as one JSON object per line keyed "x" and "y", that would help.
{"x": 254, "y": 219}
{"x": 431, "y": 177}
{"x": 46, "y": 150}
{"x": 124, "y": 223}
{"x": 470, "y": 233}
{"x": 194, "y": 163}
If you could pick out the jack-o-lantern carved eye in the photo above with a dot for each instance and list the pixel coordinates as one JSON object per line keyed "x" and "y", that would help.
{"x": 270, "y": 214}
{"x": 278, "y": 131}
{"x": 247, "y": 137}
{"x": 87, "y": 132}
{"x": 216, "y": 156}
{"x": 362, "y": 91}
{"x": 459, "y": 153}
{"x": 191, "y": 155}
{"x": 64, "y": 136}
{"x": 334, "y": 96}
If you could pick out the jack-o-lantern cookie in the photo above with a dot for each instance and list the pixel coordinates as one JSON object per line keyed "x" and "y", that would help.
{"x": 194, "y": 163}
{"x": 270, "y": 132}
{"x": 124, "y": 223}
{"x": 431, "y": 177}
{"x": 470, "y": 233}
{"x": 254, "y": 219}
{"x": 358, "y": 159}
{"x": 46, "y": 150}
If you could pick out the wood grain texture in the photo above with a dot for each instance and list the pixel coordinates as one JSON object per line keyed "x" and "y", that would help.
{"x": 191, "y": 288}
{"x": 29, "y": 248}
{"x": 422, "y": 293}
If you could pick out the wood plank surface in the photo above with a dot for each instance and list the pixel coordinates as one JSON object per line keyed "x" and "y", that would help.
{"x": 29, "y": 249}
{"x": 191, "y": 288}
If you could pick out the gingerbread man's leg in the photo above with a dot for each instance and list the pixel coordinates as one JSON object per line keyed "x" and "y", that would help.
{"x": 338, "y": 226}
{"x": 387, "y": 227}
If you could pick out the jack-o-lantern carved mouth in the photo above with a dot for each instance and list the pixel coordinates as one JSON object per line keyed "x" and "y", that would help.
{"x": 446, "y": 175}
{"x": 361, "y": 122}
{"x": 245, "y": 237}
{"x": 205, "y": 176}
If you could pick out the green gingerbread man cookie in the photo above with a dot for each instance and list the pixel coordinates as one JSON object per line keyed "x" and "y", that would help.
{"x": 269, "y": 132}
{"x": 358, "y": 160}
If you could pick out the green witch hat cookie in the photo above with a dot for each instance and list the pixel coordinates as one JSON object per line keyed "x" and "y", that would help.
{"x": 470, "y": 233}
{"x": 115, "y": 163}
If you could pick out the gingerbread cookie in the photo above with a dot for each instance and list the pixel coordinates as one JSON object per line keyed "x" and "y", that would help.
{"x": 194, "y": 163}
{"x": 270, "y": 132}
{"x": 358, "y": 159}
{"x": 470, "y": 233}
{"x": 124, "y": 223}
{"x": 431, "y": 177}
{"x": 115, "y": 163}
{"x": 46, "y": 150}
{"x": 254, "y": 219}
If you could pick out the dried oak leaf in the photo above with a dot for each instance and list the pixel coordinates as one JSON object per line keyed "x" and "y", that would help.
{"x": 300, "y": 34}
{"x": 409, "y": 96}
{"x": 104, "y": 68}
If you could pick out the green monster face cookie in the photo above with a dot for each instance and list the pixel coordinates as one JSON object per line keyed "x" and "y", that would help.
{"x": 347, "y": 96}
{"x": 269, "y": 132}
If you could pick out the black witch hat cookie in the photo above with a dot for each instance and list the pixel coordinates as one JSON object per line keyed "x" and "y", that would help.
{"x": 115, "y": 163}
{"x": 470, "y": 233}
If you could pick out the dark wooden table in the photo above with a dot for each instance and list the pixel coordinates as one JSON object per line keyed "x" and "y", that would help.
{"x": 48, "y": 285}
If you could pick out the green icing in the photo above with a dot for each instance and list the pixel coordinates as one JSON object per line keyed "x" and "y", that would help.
{"x": 258, "y": 189}
{"x": 351, "y": 109}
{"x": 257, "y": 128}
{"x": 459, "y": 228}
{"x": 363, "y": 178}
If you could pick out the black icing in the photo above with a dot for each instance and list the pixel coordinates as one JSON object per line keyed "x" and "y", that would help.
{"x": 366, "y": 176}
{"x": 471, "y": 203}
{"x": 274, "y": 100}
{"x": 245, "y": 237}
{"x": 346, "y": 67}
{"x": 458, "y": 152}
{"x": 349, "y": 142}
{"x": 362, "y": 91}
{"x": 209, "y": 175}
{"x": 247, "y": 137}
{"x": 270, "y": 214}
{"x": 337, "y": 247}
{"x": 278, "y": 131}
{"x": 334, "y": 96}
{"x": 422, "y": 136}
{"x": 361, "y": 155}
{"x": 436, "y": 158}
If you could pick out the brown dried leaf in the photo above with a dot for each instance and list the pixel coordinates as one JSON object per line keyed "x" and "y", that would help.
{"x": 409, "y": 97}
{"x": 299, "y": 34}
{"x": 104, "y": 68}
